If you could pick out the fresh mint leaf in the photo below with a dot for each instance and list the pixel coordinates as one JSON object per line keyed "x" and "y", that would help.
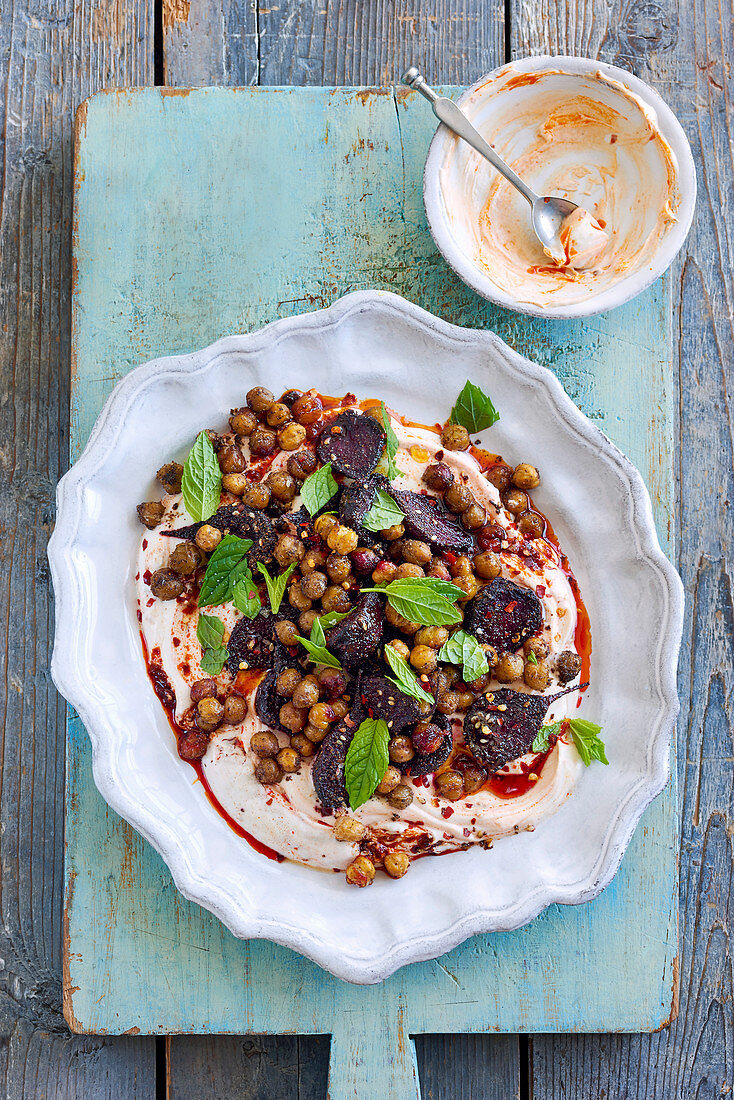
{"x": 420, "y": 601}
{"x": 464, "y": 649}
{"x": 318, "y": 489}
{"x": 586, "y": 739}
{"x": 222, "y": 571}
{"x": 201, "y": 482}
{"x": 319, "y": 654}
{"x": 452, "y": 649}
{"x": 367, "y": 760}
{"x": 246, "y": 597}
{"x": 541, "y": 742}
{"x": 210, "y": 632}
{"x": 276, "y": 585}
{"x": 387, "y": 464}
{"x": 532, "y": 659}
{"x": 331, "y": 618}
{"x": 474, "y": 409}
{"x": 405, "y": 679}
{"x": 383, "y": 513}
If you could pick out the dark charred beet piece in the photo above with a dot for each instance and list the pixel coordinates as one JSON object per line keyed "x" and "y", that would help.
{"x": 253, "y": 644}
{"x": 268, "y": 702}
{"x": 355, "y": 638}
{"x": 426, "y": 518}
{"x": 426, "y": 763}
{"x": 246, "y": 523}
{"x": 382, "y": 699}
{"x": 505, "y": 614}
{"x": 352, "y": 443}
{"x": 356, "y": 501}
{"x": 327, "y": 773}
{"x": 502, "y": 725}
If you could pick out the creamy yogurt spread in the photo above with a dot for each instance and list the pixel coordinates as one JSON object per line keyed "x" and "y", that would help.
{"x": 585, "y": 138}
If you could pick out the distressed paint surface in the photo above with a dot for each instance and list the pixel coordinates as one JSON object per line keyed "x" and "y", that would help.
{"x": 173, "y": 249}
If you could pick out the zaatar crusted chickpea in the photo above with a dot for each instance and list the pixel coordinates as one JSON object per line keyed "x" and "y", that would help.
{"x": 297, "y": 599}
{"x": 450, "y": 785}
{"x": 474, "y": 778}
{"x": 333, "y": 682}
{"x": 256, "y": 495}
{"x": 288, "y": 549}
{"x": 389, "y": 781}
{"x": 401, "y": 796}
{"x": 263, "y": 442}
{"x": 290, "y": 397}
{"x": 447, "y": 702}
{"x": 423, "y": 658}
{"x": 340, "y": 707}
{"x": 395, "y": 532}
{"x": 458, "y": 497}
{"x": 287, "y": 633}
{"x": 474, "y": 517}
{"x": 491, "y": 536}
{"x": 468, "y": 583}
{"x": 242, "y": 421}
{"x": 170, "y": 475}
{"x": 341, "y": 539}
{"x": 165, "y": 584}
{"x": 364, "y": 560}
{"x": 292, "y": 718}
{"x": 487, "y": 565}
{"x": 264, "y": 744}
{"x": 438, "y": 476}
{"x": 192, "y": 744}
{"x": 336, "y": 599}
{"x": 302, "y": 464}
{"x": 323, "y": 524}
{"x": 464, "y": 699}
{"x": 396, "y": 864}
{"x": 314, "y": 585}
{"x": 282, "y": 486}
{"x": 408, "y": 571}
{"x": 235, "y": 483}
{"x": 384, "y": 572}
{"x": 186, "y": 557}
{"x": 568, "y": 666}
{"x": 235, "y": 709}
{"x": 500, "y": 476}
{"x": 320, "y": 716}
{"x": 536, "y": 675}
{"x": 231, "y": 460}
{"x": 531, "y": 525}
{"x": 433, "y": 636}
{"x": 313, "y": 560}
{"x": 302, "y": 745}
{"x": 509, "y": 668}
{"x": 515, "y": 501}
{"x": 259, "y": 399}
{"x": 415, "y": 551}
{"x": 305, "y": 622}
{"x": 400, "y": 750}
{"x": 525, "y": 476}
{"x": 277, "y": 415}
{"x": 288, "y": 759}
{"x": 290, "y": 437}
{"x": 438, "y": 569}
{"x": 306, "y": 694}
{"x": 360, "y": 872}
{"x": 455, "y": 437}
{"x": 461, "y": 565}
{"x": 201, "y": 689}
{"x": 314, "y": 733}
{"x": 538, "y": 646}
{"x": 208, "y": 538}
{"x": 209, "y": 713}
{"x": 400, "y": 648}
{"x": 307, "y": 409}
{"x": 268, "y": 771}
{"x": 396, "y": 620}
{"x": 151, "y": 513}
{"x": 348, "y": 829}
{"x": 287, "y": 681}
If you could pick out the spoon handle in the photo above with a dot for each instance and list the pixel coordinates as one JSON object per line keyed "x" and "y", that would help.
{"x": 453, "y": 117}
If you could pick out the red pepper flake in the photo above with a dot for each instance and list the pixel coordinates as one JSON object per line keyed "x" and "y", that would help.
{"x": 150, "y": 602}
{"x": 146, "y": 576}
{"x": 176, "y": 642}
{"x": 145, "y": 544}
{"x": 140, "y": 616}
{"x": 511, "y": 607}
{"x": 447, "y": 812}
{"x": 540, "y": 590}
{"x": 466, "y": 832}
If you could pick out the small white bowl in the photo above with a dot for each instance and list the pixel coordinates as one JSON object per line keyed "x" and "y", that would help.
{"x": 453, "y": 218}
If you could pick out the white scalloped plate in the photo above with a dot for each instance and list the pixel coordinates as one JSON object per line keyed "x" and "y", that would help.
{"x": 375, "y": 344}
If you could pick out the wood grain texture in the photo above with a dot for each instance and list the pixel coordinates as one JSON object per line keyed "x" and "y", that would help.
{"x": 259, "y": 1067}
{"x": 52, "y": 54}
{"x": 686, "y": 50}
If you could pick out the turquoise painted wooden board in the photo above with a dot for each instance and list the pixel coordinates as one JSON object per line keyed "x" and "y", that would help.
{"x": 188, "y": 226}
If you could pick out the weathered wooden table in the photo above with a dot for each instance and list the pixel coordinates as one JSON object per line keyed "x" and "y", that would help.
{"x": 54, "y": 53}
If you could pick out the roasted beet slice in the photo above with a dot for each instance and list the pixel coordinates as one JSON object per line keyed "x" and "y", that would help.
{"x": 382, "y": 699}
{"x": 353, "y": 443}
{"x": 505, "y": 614}
{"x": 253, "y": 644}
{"x": 327, "y": 773}
{"x": 502, "y": 725}
{"x": 426, "y": 763}
{"x": 236, "y": 519}
{"x": 268, "y": 702}
{"x": 426, "y": 518}
{"x": 355, "y": 638}
{"x": 354, "y": 504}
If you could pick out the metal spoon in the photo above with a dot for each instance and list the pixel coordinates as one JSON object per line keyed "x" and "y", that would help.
{"x": 547, "y": 212}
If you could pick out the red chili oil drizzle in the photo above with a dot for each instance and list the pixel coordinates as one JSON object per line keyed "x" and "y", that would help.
{"x": 164, "y": 692}
{"x": 514, "y": 786}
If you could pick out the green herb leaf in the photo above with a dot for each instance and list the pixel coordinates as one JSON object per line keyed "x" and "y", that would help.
{"x": 383, "y": 513}
{"x": 464, "y": 649}
{"x": 418, "y": 600}
{"x": 222, "y": 571}
{"x": 541, "y": 742}
{"x": 452, "y": 649}
{"x": 532, "y": 659}
{"x": 406, "y": 680}
{"x": 331, "y": 618}
{"x": 586, "y": 739}
{"x": 201, "y": 482}
{"x": 387, "y": 464}
{"x": 474, "y": 409}
{"x": 246, "y": 597}
{"x": 318, "y": 489}
{"x": 319, "y": 654}
{"x": 276, "y": 585}
{"x": 367, "y": 760}
{"x": 210, "y": 631}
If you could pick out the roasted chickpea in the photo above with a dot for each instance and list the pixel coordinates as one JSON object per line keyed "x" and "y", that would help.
{"x": 458, "y": 497}
{"x": 292, "y": 718}
{"x": 462, "y": 565}
{"x": 438, "y": 569}
{"x": 208, "y": 538}
{"x": 407, "y": 570}
{"x": 313, "y": 585}
{"x": 491, "y": 654}
{"x": 290, "y": 437}
{"x": 396, "y": 864}
{"x": 209, "y": 713}
{"x": 400, "y": 749}
{"x": 297, "y": 599}
{"x": 404, "y": 625}
{"x": 423, "y": 658}
{"x": 464, "y": 699}
{"x": 325, "y": 523}
{"x": 307, "y": 409}
{"x": 384, "y": 572}
{"x": 455, "y": 437}
{"x": 264, "y": 744}
{"x": 333, "y": 682}
{"x": 348, "y": 829}
{"x": 500, "y": 476}
{"x": 202, "y": 689}
{"x": 525, "y": 476}
{"x": 515, "y": 501}
{"x": 340, "y": 708}
{"x": 314, "y": 733}
{"x": 277, "y": 415}
{"x": 474, "y": 517}
{"x": 256, "y": 495}
{"x": 235, "y": 483}
{"x": 468, "y": 583}
{"x": 320, "y": 715}
{"x": 568, "y": 666}
{"x": 282, "y": 486}
{"x": 400, "y": 797}
{"x": 192, "y": 744}
{"x": 268, "y": 771}
{"x": 170, "y": 475}
{"x": 306, "y": 694}
{"x": 491, "y": 536}
{"x": 433, "y": 636}
{"x": 474, "y": 778}
{"x": 290, "y": 397}
{"x": 536, "y": 675}
{"x": 447, "y": 702}
{"x": 400, "y": 648}
{"x": 302, "y": 745}
{"x": 360, "y": 872}
{"x": 165, "y": 584}
{"x": 151, "y": 513}
{"x": 305, "y": 622}
{"x": 287, "y": 550}
{"x": 364, "y": 560}
{"x": 341, "y": 539}
{"x": 395, "y": 532}
{"x": 375, "y": 413}
{"x": 509, "y": 668}
{"x": 262, "y": 442}
{"x": 538, "y": 646}
{"x": 313, "y": 559}
{"x": 288, "y": 759}
{"x": 185, "y": 558}
{"x": 286, "y": 631}
{"x": 438, "y": 477}
{"x": 235, "y": 709}
{"x": 426, "y": 737}
{"x": 287, "y": 681}
{"x": 450, "y": 785}
{"x": 259, "y": 399}
{"x": 242, "y": 421}
{"x": 531, "y": 525}
{"x": 389, "y": 781}
{"x": 335, "y": 599}
{"x": 231, "y": 460}
{"x": 415, "y": 551}
{"x": 302, "y": 464}
{"x": 487, "y": 565}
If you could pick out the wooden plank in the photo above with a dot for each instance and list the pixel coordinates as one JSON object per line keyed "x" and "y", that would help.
{"x": 255, "y": 1067}
{"x": 686, "y": 50}
{"x": 317, "y": 42}
{"x": 51, "y": 56}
